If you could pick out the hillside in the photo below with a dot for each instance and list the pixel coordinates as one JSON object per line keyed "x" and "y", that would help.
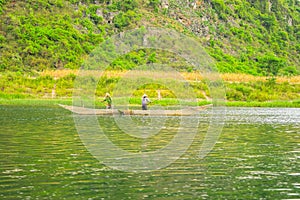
{"x": 244, "y": 36}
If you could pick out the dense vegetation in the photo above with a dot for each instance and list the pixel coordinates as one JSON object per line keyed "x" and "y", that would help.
{"x": 14, "y": 85}
{"x": 260, "y": 38}
{"x": 245, "y": 36}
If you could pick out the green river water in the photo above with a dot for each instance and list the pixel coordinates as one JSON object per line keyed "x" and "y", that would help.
{"x": 257, "y": 156}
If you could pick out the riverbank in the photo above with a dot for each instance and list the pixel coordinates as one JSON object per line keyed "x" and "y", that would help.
{"x": 54, "y": 87}
{"x": 168, "y": 102}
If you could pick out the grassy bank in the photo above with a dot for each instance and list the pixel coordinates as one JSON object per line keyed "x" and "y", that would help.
{"x": 284, "y": 104}
{"x": 37, "y": 102}
{"x": 99, "y": 104}
{"x": 135, "y": 104}
{"x": 53, "y": 87}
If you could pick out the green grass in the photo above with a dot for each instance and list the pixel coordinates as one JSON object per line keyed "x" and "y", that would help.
{"x": 98, "y": 103}
{"x": 165, "y": 102}
{"x": 24, "y": 89}
{"x": 36, "y": 102}
{"x": 286, "y": 104}
{"x": 243, "y": 37}
{"x": 161, "y": 102}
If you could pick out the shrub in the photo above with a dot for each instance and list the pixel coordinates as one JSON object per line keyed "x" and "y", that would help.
{"x": 234, "y": 95}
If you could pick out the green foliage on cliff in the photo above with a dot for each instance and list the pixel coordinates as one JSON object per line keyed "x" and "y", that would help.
{"x": 253, "y": 36}
{"x": 244, "y": 36}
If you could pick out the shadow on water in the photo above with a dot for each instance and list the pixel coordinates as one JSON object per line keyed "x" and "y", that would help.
{"x": 256, "y": 157}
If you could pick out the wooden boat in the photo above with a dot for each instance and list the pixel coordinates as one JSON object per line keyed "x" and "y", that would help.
{"x": 91, "y": 111}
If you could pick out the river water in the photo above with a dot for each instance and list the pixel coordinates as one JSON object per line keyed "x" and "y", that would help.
{"x": 257, "y": 156}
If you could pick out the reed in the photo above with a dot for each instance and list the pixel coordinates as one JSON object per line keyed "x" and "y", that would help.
{"x": 191, "y": 76}
{"x": 58, "y": 73}
{"x": 238, "y": 78}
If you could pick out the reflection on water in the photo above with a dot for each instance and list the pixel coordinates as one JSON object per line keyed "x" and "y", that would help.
{"x": 256, "y": 157}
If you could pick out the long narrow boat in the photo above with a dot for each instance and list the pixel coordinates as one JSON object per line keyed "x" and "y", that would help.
{"x": 91, "y": 111}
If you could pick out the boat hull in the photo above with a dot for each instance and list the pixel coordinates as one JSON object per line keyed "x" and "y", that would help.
{"x": 91, "y": 111}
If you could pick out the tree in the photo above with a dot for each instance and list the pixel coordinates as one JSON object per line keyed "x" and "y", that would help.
{"x": 270, "y": 64}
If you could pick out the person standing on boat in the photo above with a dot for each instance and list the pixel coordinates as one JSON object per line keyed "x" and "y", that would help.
{"x": 108, "y": 100}
{"x": 145, "y": 102}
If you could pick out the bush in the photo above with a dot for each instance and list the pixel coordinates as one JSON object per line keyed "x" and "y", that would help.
{"x": 233, "y": 95}
{"x": 259, "y": 96}
{"x": 270, "y": 64}
{"x": 289, "y": 71}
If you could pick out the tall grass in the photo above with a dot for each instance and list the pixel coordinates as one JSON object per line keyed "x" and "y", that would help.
{"x": 239, "y": 88}
{"x": 238, "y": 78}
{"x": 191, "y": 76}
{"x": 285, "y": 104}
